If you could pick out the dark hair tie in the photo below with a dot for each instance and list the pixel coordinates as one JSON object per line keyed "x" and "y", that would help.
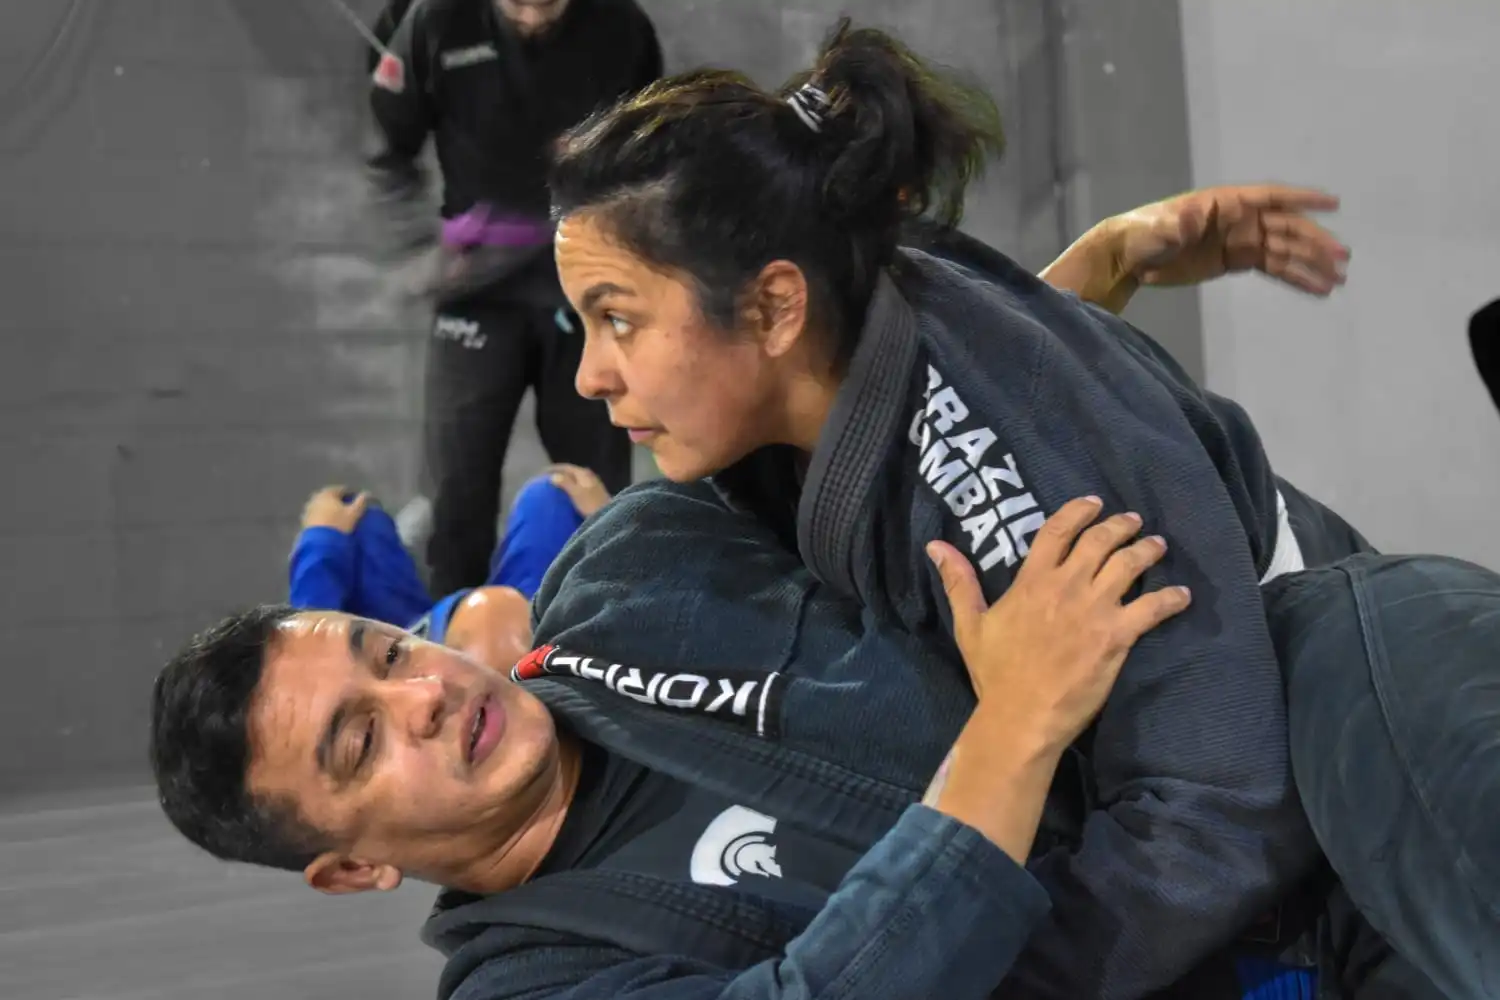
{"x": 811, "y": 104}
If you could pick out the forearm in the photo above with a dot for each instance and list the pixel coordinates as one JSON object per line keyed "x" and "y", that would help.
{"x": 995, "y": 782}
{"x": 1091, "y": 269}
{"x": 399, "y": 99}
{"x": 933, "y": 910}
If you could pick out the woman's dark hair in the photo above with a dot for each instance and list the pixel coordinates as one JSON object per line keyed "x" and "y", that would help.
{"x": 200, "y": 747}
{"x": 707, "y": 175}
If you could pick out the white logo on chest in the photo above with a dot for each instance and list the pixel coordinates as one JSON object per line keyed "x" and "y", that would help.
{"x": 737, "y": 843}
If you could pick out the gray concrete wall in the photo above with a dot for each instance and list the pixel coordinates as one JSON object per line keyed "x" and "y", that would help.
{"x": 1002, "y": 44}
{"x": 193, "y": 336}
{"x": 1370, "y": 400}
{"x": 198, "y": 329}
{"x": 1123, "y": 133}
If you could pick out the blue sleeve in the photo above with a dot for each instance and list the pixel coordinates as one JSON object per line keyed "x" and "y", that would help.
{"x": 542, "y": 520}
{"x": 321, "y": 570}
{"x": 933, "y": 910}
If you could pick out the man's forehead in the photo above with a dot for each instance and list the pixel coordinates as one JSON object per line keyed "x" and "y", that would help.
{"x": 305, "y": 672}
{"x": 315, "y": 624}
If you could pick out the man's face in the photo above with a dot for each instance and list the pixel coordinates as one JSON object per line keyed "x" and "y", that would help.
{"x": 411, "y": 757}
{"x": 532, "y": 18}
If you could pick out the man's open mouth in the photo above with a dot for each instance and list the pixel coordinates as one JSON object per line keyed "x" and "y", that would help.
{"x": 476, "y": 728}
{"x": 486, "y": 728}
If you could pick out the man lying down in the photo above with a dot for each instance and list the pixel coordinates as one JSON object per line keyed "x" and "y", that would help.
{"x": 718, "y": 797}
{"x": 726, "y": 805}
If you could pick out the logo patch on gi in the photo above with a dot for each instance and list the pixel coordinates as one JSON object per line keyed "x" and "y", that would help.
{"x": 739, "y": 697}
{"x": 471, "y": 56}
{"x": 390, "y": 74}
{"x": 464, "y": 332}
{"x": 735, "y": 845}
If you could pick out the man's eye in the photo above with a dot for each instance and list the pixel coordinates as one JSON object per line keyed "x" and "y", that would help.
{"x": 620, "y": 326}
{"x": 393, "y": 653}
{"x": 365, "y": 745}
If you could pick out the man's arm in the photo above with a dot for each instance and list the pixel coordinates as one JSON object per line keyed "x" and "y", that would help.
{"x": 934, "y": 909}
{"x": 401, "y": 103}
{"x": 321, "y": 570}
{"x": 322, "y": 565}
{"x": 384, "y": 28}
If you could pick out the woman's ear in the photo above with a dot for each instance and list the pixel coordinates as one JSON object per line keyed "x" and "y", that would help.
{"x": 780, "y": 306}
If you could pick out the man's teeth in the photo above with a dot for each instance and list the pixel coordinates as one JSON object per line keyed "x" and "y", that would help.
{"x": 477, "y": 729}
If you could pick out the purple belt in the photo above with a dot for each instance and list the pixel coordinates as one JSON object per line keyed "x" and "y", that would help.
{"x": 479, "y": 227}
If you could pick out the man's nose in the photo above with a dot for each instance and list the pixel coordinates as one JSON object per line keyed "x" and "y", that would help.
{"x": 421, "y": 705}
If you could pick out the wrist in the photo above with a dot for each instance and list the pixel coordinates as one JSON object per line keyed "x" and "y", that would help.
{"x": 1110, "y": 240}
{"x": 1024, "y": 741}
{"x": 996, "y": 779}
{"x": 1116, "y": 279}
{"x": 1094, "y": 266}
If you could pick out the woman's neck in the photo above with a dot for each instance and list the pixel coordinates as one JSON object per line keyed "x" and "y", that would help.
{"x": 807, "y": 403}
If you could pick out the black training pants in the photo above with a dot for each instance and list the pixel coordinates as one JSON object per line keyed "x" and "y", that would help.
{"x": 481, "y": 359}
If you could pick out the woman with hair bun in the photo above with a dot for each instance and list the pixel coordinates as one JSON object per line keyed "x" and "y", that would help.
{"x": 752, "y": 316}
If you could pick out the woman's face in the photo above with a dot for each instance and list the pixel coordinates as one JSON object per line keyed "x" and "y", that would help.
{"x": 698, "y": 396}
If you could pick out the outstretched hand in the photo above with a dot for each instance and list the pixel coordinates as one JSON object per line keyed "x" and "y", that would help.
{"x": 1205, "y": 234}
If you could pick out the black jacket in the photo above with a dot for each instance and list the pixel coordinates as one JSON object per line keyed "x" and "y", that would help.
{"x": 494, "y": 102}
{"x": 979, "y": 400}
{"x": 836, "y": 728}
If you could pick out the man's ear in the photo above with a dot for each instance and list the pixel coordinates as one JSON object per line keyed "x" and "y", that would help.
{"x": 781, "y": 306}
{"x": 338, "y": 875}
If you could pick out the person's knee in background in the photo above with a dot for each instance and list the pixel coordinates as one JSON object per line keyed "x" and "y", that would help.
{"x": 544, "y": 515}
{"x": 493, "y": 625}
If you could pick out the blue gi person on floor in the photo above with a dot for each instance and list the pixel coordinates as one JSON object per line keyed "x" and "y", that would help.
{"x": 349, "y": 555}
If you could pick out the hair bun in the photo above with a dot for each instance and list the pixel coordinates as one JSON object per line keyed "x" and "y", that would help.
{"x": 910, "y": 137}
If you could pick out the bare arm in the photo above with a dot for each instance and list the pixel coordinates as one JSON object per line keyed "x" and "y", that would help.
{"x": 1203, "y": 235}
{"x": 1094, "y": 269}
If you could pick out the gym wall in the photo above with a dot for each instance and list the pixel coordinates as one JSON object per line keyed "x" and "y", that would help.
{"x": 1370, "y": 401}
{"x": 197, "y": 329}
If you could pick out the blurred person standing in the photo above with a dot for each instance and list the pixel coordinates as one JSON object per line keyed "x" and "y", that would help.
{"x": 493, "y": 82}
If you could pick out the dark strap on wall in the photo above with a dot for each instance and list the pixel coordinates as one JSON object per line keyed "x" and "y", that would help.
{"x": 1484, "y": 341}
